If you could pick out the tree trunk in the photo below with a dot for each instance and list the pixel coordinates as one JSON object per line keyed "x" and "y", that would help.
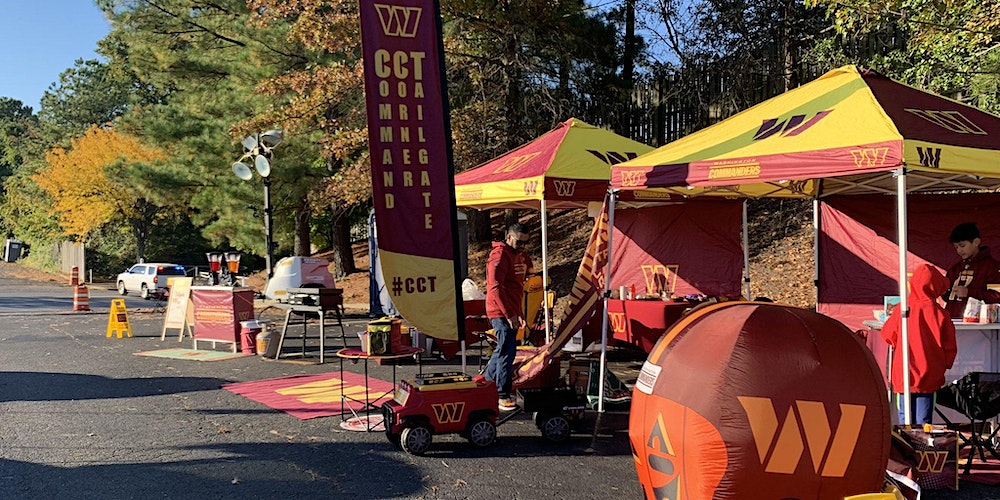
{"x": 510, "y": 216}
{"x": 479, "y": 226}
{"x": 303, "y": 244}
{"x": 140, "y": 244}
{"x": 343, "y": 254}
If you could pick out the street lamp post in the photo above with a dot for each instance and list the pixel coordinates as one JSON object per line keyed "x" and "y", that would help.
{"x": 258, "y": 147}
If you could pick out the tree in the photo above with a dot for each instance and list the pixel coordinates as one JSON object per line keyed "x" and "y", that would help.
{"x": 950, "y": 47}
{"x": 16, "y": 120}
{"x": 24, "y": 210}
{"x": 82, "y": 184}
{"x": 208, "y": 62}
{"x": 516, "y": 68}
{"x": 86, "y": 94}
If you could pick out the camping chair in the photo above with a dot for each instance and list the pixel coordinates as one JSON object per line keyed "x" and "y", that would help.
{"x": 534, "y": 331}
{"x": 977, "y": 396}
{"x": 535, "y": 334}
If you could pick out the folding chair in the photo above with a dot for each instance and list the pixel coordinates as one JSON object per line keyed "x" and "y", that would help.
{"x": 977, "y": 396}
{"x": 535, "y": 332}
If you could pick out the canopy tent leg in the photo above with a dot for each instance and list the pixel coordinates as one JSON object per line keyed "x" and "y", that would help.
{"x": 903, "y": 299}
{"x": 545, "y": 270}
{"x": 816, "y": 229}
{"x": 746, "y": 255}
{"x": 613, "y": 195}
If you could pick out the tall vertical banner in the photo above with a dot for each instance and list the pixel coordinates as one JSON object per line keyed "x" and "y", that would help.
{"x": 584, "y": 301}
{"x": 413, "y": 185}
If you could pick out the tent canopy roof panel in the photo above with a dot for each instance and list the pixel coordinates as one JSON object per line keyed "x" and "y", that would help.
{"x": 842, "y": 133}
{"x": 568, "y": 167}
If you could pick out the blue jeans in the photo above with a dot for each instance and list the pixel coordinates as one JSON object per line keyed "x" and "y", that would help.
{"x": 501, "y": 362}
{"x": 921, "y": 407}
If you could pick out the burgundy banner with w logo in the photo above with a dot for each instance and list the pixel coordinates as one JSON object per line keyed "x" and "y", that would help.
{"x": 584, "y": 300}
{"x": 409, "y": 139}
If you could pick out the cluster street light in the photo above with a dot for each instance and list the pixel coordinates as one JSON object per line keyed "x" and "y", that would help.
{"x": 258, "y": 149}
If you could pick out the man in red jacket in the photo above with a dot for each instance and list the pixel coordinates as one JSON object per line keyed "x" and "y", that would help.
{"x": 969, "y": 277}
{"x": 931, "y": 335}
{"x": 504, "y": 294}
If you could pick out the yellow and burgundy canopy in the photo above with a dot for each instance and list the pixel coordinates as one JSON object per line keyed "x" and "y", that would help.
{"x": 842, "y": 133}
{"x": 568, "y": 167}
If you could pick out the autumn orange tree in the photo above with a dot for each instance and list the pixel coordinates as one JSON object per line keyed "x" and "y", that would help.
{"x": 83, "y": 182}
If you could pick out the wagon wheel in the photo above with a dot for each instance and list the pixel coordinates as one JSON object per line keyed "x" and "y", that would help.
{"x": 481, "y": 432}
{"x": 554, "y": 428}
{"x": 416, "y": 440}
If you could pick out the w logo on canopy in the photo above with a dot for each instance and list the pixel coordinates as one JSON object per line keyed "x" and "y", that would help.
{"x": 530, "y": 187}
{"x": 869, "y": 157}
{"x": 951, "y": 120}
{"x": 631, "y": 178}
{"x": 929, "y": 157}
{"x": 613, "y": 157}
{"x": 788, "y": 128}
{"x": 564, "y": 188}
{"x": 398, "y": 21}
{"x": 780, "y": 445}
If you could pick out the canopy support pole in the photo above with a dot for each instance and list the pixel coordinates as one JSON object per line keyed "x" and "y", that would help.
{"x": 904, "y": 306}
{"x": 613, "y": 195}
{"x": 746, "y": 255}
{"x": 462, "y": 345}
{"x": 545, "y": 270}
{"x": 816, "y": 229}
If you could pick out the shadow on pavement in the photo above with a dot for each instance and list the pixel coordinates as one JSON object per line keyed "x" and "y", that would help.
{"x": 46, "y": 386}
{"x": 341, "y": 470}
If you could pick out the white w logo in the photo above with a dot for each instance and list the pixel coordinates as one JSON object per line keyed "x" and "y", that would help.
{"x": 398, "y": 21}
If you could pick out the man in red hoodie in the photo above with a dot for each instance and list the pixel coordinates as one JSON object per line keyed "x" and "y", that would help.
{"x": 969, "y": 277}
{"x": 931, "y": 335}
{"x": 504, "y": 294}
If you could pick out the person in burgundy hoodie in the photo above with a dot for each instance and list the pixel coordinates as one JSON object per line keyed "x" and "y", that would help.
{"x": 504, "y": 294}
{"x": 931, "y": 336}
{"x": 969, "y": 277}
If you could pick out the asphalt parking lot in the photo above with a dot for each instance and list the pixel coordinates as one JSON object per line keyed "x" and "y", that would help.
{"x": 81, "y": 416}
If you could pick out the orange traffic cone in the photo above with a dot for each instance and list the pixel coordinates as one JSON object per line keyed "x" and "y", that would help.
{"x": 74, "y": 276}
{"x": 81, "y": 298}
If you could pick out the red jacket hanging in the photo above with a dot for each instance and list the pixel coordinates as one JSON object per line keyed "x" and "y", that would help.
{"x": 930, "y": 330}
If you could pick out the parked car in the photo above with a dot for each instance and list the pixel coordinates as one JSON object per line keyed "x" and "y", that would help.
{"x": 149, "y": 278}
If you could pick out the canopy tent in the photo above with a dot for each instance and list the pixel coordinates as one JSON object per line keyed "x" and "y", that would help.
{"x": 850, "y": 131}
{"x": 567, "y": 167}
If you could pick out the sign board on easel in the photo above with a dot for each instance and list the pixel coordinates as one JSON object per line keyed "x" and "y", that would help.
{"x": 118, "y": 319}
{"x": 178, "y": 308}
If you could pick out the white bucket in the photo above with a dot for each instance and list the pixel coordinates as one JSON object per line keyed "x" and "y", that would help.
{"x": 267, "y": 344}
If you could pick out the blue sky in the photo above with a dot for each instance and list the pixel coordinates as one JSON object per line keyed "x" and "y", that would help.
{"x": 43, "y": 38}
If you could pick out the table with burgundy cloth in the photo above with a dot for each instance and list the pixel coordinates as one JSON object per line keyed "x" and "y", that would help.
{"x": 637, "y": 322}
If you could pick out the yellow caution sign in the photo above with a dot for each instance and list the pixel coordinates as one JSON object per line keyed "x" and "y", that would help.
{"x": 118, "y": 319}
